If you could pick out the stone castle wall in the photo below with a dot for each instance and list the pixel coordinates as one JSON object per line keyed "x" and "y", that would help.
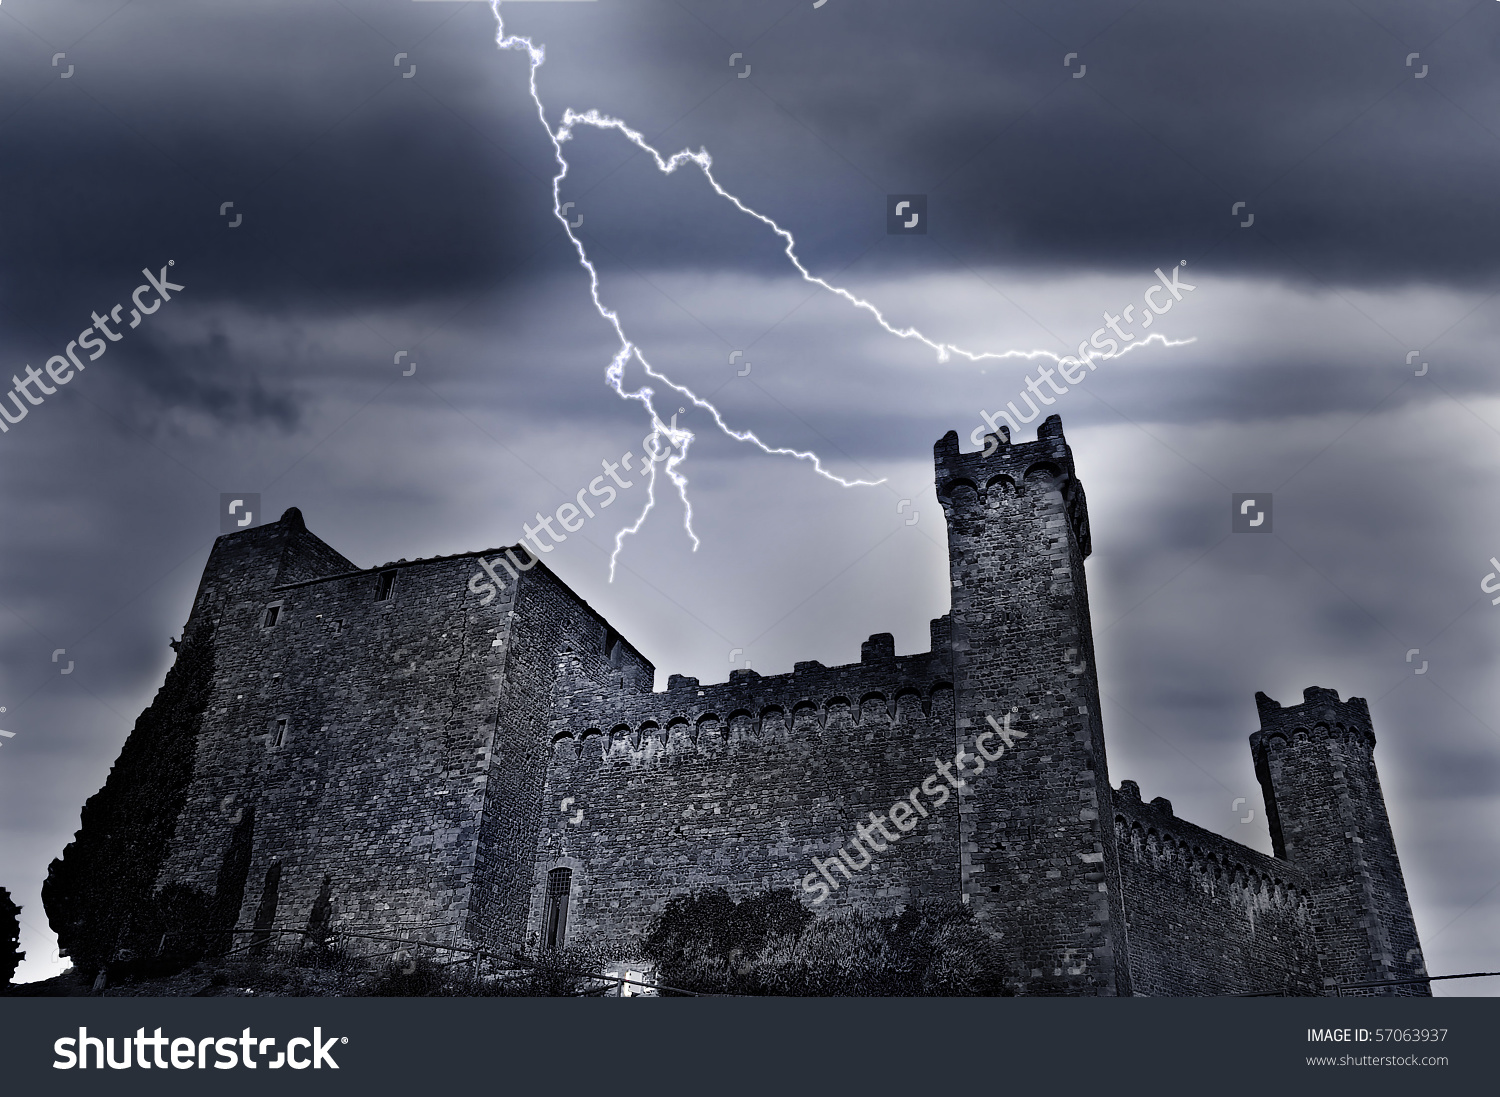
{"x": 378, "y": 781}
{"x": 741, "y": 784}
{"x": 1206, "y": 915}
{"x": 405, "y": 729}
{"x": 549, "y": 643}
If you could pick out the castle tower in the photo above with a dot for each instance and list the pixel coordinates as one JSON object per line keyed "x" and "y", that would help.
{"x": 1316, "y": 765}
{"x": 1037, "y": 852}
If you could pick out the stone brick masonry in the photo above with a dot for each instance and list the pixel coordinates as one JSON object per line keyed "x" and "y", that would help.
{"x": 375, "y": 748}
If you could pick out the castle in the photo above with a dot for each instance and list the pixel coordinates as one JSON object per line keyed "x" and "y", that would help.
{"x": 378, "y": 749}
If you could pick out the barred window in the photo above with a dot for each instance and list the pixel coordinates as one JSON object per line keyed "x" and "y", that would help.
{"x": 555, "y": 914}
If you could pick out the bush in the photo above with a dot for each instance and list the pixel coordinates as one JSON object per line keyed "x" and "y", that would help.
{"x": 708, "y": 942}
{"x": 552, "y": 973}
{"x": 417, "y": 977}
{"x": 930, "y": 949}
{"x": 168, "y": 932}
{"x": 555, "y": 973}
{"x": 770, "y": 944}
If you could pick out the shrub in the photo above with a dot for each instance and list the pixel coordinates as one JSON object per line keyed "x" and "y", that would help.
{"x": 708, "y": 942}
{"x": 931, "y": 948}
{"x": 551, "y": 973}
{"x": 770, "y": 944}
{"x": 417, "y": 977}
{"x": 557, "y": 973}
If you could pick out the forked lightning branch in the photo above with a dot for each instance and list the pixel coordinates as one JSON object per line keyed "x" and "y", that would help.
{"x": 679, "y": 437}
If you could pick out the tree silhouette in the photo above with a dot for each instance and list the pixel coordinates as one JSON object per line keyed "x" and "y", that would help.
{"x": 10, "y": 937}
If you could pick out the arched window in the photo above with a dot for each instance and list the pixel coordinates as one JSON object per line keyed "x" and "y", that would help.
{"x": 555, "y": 914}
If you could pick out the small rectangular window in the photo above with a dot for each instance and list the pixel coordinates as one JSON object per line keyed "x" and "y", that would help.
{"x": 272, "y": 613}
{"x": 280, "y": 731}
{"x": 384, "y": 585}
{"x": 555, "y": 914}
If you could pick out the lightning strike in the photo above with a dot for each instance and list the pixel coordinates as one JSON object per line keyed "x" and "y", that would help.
{"x": 679, "y": 439}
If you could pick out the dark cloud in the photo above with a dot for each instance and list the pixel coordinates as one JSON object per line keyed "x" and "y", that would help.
{"x": 358, "y": 185}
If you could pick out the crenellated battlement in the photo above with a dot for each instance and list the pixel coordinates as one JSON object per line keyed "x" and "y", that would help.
{"x": 881, "y": 695}
{"x": 704, "y": 731}
{"x": 1150, "y": 831}
{"x": 1321, "y": 714}
{"x": 1004, "y": 470}
{"x": 1001, "y": 457}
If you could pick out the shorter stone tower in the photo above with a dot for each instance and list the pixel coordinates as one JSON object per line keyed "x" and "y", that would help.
{"x": 1316, "y": 764}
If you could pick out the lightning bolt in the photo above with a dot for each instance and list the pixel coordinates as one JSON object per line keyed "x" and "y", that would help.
{"x": 679, "y": 438}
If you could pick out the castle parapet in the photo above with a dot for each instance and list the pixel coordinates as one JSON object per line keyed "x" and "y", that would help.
{"x": 1321, "y": 712}
{"x": 975, "y": 480}
{"x": 884, "y": 695}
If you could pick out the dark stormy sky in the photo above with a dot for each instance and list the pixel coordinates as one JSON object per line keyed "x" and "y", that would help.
{"x": 382, "y": 212}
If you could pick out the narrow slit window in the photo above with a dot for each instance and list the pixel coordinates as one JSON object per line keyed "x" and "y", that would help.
{"x": 280, "y": 736}
{"x": 384, "y": 586}
{"x": 273, "y": 614}
{"x": 555, "y": 916}
{"x": 612, "y": 647}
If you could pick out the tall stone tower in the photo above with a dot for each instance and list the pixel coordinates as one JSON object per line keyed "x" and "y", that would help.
{"x": 1316, "y": 764}
{"x": 1038, "y": 862}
